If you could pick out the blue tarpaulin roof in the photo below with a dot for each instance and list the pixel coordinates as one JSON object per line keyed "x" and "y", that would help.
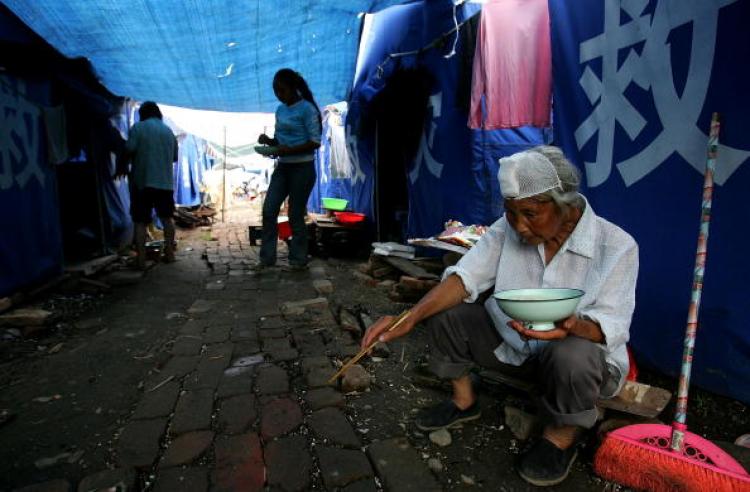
{"x": 218, "y": 54}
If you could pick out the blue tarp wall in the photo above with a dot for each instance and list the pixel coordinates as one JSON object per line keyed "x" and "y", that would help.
{"x": 30, "y": 242}
{"x": 635, "y": 84}
{"x": 454, "y": 173}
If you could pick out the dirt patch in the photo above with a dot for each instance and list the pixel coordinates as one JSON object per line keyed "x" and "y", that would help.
{"x": 481, "y": 453}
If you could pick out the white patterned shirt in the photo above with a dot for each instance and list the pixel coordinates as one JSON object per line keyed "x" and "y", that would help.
{"x": 598, "y": 257}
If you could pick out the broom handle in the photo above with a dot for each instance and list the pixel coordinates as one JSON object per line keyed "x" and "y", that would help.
{"x": 678, "y": 426}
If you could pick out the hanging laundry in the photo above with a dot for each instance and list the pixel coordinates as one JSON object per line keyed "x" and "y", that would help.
{"x": 512, "y": 76}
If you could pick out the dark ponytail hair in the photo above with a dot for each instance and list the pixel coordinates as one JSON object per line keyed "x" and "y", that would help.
{"x": 293, "y": 79}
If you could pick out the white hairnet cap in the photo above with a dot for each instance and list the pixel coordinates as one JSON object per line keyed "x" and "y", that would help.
{"x": 526, "y": 174}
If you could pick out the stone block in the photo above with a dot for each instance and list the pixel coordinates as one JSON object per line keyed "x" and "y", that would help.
{"x": 217, "y": 333}
{"x": 190, "y": 345}
{"x": 193, "y": 411}
{"x": 279, "y": 417}
{"x": 400, "y": 467}
{"x": 340, "y": 467}
{"x": 266, "y": 334}
{"x": 276, "y": 344}
{"x": 125, "y": 478}
{"x": 318, "y": 273}
{"x": 330, "y": 425}
{"x": 289, "y": 464}
{"x": 178, "y": 367}
{"x": 239, "y": 464}
{"x": 307, "y": 364}
{"x": 201, "y": 306}
{"x": 138, "y": 445}
{"x": 186, "y": 448}
{"x": 59, "y": 485}
{"x": 235, "y": 384}
{"x": 272, "y": 380}
{"x": 324, "y": 397}
{"x": 237, "y": 413}
{"x": 283, "y": 355}
{"x": 158, "y": 403}
{"x": 207, "y": 375}
{"x": 318, "y": 378}
{"x": 182, "y": 479}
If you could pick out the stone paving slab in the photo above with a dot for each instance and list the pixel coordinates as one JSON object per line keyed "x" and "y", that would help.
{"x": 246, "y": 347}
{"x": 51, "y": 486}
{"x": 103, "y": 480}
{"x": 201, "y": 306}
{"x": 217, "y": 333}
{"x": 272, "y": 380}
{"x": 235, "y": 385}
{"x": 237, "y": 413}
{"x": 193, "y": 411}
{"x": 330, "y": 425}
{"x": 187, "y": 448}
{"x": 289, "y": 464}
{"x": 276, "y": 344}
{"x": 207, "y": 375}
{"x": 182, "y": 480}
{"x": 324, "y": 397}
{"x": 340, "y": 467}
{"x": 244, "y": 333}
{"x": 138, "y": 445}
{"x": 286, "y": 355}
{"x": 362, "y": 486}
{"x": 178, "y": 367}
{"x": 400, "y": 467}
{"x": 187, "y": 345}
{"x": 265, "y": 334}
{"x": 239, "y": 464}
{"x": 318, "y": 378}
{"x": 279, "y": 417}
{"x": 158, "y": 403}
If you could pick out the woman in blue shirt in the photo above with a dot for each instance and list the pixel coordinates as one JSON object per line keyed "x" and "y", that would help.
{"x": 296, "y": 137}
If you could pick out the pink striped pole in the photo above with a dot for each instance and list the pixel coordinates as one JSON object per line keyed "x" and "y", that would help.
{"x": 678, "y": 426}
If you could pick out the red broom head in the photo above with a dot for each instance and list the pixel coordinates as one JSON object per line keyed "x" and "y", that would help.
{"x": 643, "y": 467}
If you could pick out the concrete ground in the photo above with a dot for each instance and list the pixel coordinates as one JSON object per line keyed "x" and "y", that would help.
{"x": 204, "y": 375}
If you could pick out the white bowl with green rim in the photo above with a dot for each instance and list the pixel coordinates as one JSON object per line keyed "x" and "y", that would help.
{"x": 538, "y": 309}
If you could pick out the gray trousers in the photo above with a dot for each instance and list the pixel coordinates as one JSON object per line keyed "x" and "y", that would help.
{"x": 296, "y": 181}
{"x": 571, "y": 374}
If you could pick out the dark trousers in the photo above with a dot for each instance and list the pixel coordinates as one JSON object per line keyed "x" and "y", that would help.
{"x": 571, "y": 373}
{"x": 296, "y": 181}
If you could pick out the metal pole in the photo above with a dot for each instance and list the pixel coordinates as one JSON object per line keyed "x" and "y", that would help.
{"x": 224, "y": 177}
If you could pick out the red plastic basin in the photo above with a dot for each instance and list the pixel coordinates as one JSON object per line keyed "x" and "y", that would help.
{"x": 349, "y": 218}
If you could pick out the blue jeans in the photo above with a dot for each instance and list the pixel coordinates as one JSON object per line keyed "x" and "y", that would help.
{"x": 295, "y": 180}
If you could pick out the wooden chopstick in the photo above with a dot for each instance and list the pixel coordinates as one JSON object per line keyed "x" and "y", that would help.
{"x": 394, "y": 323}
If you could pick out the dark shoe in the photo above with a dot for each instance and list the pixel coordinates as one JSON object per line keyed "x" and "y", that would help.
{"x": 294, "y": 268}
{"x": 545, "y": 464}
{"x": 445, "y": 414}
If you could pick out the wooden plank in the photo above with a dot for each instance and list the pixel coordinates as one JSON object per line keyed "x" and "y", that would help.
{"x": 638, "y": 399}
{"x": 410, "y": 268}
{"x": 91, "y": 267}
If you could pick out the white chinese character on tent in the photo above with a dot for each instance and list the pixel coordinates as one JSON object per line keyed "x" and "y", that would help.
{"x": 424, "y": 153}
{"x": 19, "y": 140}
{"x": 652, "y": 69}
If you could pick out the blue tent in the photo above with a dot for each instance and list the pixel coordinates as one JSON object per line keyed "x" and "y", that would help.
{"x": 218, "y": 55}
{"x": 634, "y": 86}
{"x": 451, "y": 171}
